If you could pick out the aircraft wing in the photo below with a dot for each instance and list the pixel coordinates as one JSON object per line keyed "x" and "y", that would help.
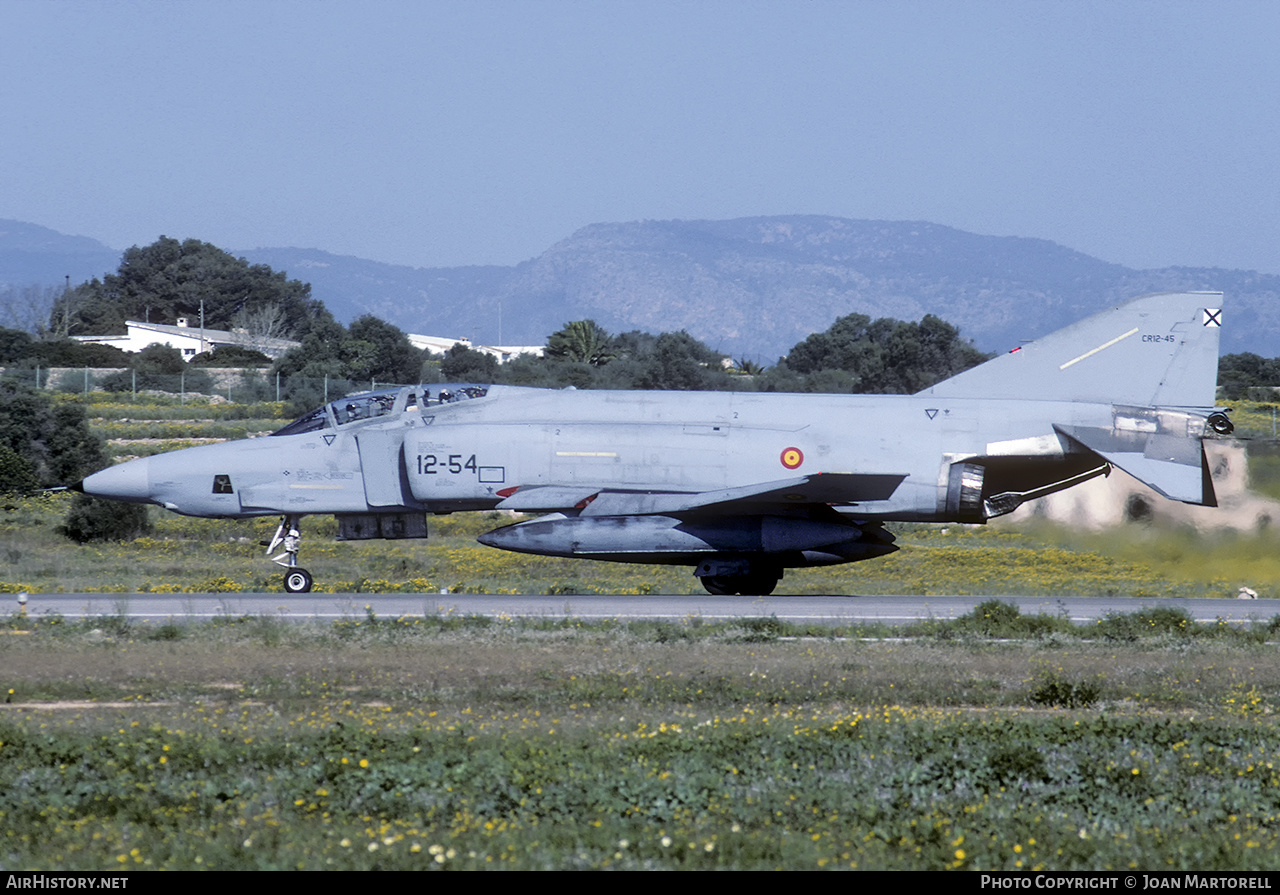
{"x": 818, "y": 488}
{"x": 1175, "y": 467}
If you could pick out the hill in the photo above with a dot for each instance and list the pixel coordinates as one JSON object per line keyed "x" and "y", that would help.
{"x": 35, "y": 255}
{"x": 749, "y": 287}
{"x": 756, "y": 286}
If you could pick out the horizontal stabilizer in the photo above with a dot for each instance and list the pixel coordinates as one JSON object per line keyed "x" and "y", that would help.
{"x": 1175, "y": 467}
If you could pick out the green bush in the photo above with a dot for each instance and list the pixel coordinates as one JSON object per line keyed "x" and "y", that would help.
{"x": 91, "y": 519}
{"x": 53, "y": 436}
{"x": 16, "y": 474}
{"x": 1058, "y": 691}
{"x": 996, "y": 618}
{"x": 1163, "y": 620}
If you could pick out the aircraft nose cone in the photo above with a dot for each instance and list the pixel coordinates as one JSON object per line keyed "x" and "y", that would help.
{"x": 128, "y": 481}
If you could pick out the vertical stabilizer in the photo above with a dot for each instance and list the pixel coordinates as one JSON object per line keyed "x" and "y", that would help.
{"x": 1157, "y": 350}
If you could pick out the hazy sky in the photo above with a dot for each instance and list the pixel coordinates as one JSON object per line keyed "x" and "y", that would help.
{"x": 1145, "y": 133}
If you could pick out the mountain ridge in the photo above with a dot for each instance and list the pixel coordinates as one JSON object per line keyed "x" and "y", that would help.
{"x": 750, "y": 287}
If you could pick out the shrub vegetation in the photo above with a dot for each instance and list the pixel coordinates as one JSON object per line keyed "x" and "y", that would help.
{"x": 450, "y": 742}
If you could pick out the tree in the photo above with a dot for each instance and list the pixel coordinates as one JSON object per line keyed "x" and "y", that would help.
{"x": 319, "y": 354}
{"x": 582, "y": 341}
{"x": 262, "y": 325}
{"x": 883, "y": 356}
{"x": 16, "y": 474}
{"x": 53, "y": 439}
{"x": 18, "y": 349}
{"x": 538, "y": 372}
{"x": 15, "y": 345}
{"x": 1237, "y": 373}
{"x": 169, "y": 279}
{"x": 462, "y": 364}
{"x": 372, "y": 350}
{"x": 679, "y": 361}
{"x": 70, "y": 353}
{"x": 383, "y": 352}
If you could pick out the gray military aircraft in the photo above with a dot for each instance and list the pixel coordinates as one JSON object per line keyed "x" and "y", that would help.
{"x": 738, "y": 485}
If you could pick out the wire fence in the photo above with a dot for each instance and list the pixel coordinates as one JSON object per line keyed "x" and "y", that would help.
{"x": 231, "y": 384}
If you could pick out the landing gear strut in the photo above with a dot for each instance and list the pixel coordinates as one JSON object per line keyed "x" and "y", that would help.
{"x": 297, "y": 580}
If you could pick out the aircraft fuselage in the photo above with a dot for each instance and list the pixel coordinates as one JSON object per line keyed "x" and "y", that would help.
{"x": 470, "y": 455}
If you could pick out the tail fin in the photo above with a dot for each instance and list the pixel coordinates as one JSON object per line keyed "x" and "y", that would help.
{"x": 1159, "y": 350}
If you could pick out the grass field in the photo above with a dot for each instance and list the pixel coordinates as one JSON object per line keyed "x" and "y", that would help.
{"x": 469, "y": 743}
{"x": 202, "y": 555}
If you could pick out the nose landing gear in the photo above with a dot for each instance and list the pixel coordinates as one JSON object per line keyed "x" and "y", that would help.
{"x": 297, "y": 580}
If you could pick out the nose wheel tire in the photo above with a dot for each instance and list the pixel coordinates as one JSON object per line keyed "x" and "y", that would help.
{"x": 297, "y": 581}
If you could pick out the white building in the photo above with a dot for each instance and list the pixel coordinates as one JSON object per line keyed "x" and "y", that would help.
{"x": 190, "y": 340}
{"x": 441, "y": 344}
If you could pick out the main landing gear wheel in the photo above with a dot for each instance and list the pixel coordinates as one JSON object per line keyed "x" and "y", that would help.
{"x": 747, "y": 585}
{"x": 297, "y": 581}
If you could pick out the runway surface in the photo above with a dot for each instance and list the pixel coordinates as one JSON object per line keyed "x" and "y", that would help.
{"x": 892, "y": 610}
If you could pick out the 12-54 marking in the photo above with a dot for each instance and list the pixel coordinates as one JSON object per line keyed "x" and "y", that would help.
{"x": 432, "y": 464}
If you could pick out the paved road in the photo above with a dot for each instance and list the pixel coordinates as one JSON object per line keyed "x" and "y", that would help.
{"x": 835, "y": 609}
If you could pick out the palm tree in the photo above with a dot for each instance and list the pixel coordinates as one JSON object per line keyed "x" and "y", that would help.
{"x": 584, "y": 341}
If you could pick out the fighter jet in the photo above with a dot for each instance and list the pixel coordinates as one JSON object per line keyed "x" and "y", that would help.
{"x": 740, "y": 486}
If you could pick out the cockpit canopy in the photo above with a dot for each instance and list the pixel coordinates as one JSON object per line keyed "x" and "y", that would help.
{"x": 383, "y": 403}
